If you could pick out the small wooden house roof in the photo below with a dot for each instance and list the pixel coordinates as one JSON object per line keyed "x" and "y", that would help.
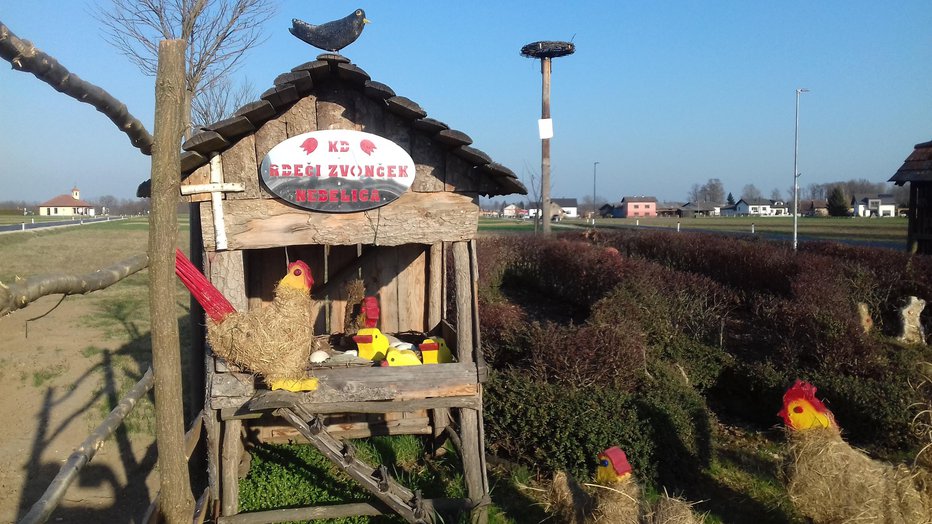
{"x": 917, "y": 167}
{"x": 300, "y": 81}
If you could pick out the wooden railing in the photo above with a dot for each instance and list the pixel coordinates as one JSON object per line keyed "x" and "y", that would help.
{"x": 19, "y": 295}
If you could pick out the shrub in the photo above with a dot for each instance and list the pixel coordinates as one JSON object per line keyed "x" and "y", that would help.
{"x": 665, "y": 428}
{"x": 559, "y": 428}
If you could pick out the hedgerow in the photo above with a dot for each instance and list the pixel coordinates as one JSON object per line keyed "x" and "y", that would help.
{"x": 734, "y": 320}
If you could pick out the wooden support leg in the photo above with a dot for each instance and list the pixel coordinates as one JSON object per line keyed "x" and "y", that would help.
{"x": 473, "y": 464}
{"x": 229, "y": 481}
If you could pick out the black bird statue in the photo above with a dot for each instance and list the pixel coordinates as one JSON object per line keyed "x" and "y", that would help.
{"x": 331, "y": 36}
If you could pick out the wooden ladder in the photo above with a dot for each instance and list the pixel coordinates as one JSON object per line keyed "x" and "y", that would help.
{"x": 377, "y": 481}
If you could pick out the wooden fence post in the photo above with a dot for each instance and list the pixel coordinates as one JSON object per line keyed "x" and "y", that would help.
{"x": 177, "y": 501}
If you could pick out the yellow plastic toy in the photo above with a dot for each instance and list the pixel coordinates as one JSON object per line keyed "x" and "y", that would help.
{"x": 373, "y": 345}
{"x": 401, "y": 357}
{"x": 296, "y": 385}
{"x": 434, "y": 350}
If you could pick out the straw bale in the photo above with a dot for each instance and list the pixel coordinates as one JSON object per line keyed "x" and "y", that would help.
{"x": 619, "y": 503}
{"x": 273, "y": 341}
{"x": 831, "y": 482}
{"x": 671, "y": 510}
{"x": 568, "y": 501}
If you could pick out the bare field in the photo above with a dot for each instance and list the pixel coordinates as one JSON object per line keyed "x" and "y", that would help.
{"x": 64, "y": 366}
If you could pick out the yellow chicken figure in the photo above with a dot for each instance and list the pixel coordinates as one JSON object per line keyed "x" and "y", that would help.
{"x": 401, "y": 357}
{"x": 372, "y": 343}
{"x": 434, "y": 350}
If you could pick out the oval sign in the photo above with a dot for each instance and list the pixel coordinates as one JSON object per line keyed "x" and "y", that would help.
{"x": 338, "y": 171}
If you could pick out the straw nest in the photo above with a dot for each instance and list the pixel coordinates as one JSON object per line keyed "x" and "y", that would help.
{"x": 273, "y": 341}
{"x": 616, "y": 504}
{"x": 831, "y": 482}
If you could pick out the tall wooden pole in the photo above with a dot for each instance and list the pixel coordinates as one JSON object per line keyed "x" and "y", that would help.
{"x": 177, "y": 502}
{"x": 545, "y": 147}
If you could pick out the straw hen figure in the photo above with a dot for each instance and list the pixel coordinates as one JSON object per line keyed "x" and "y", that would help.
{"x": 615, "y": 498}
{"x": 832, "y": 483}
{"x": 274, "y": 341}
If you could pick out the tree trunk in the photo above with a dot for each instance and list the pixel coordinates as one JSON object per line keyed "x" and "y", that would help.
{"x": 177, "y": 501}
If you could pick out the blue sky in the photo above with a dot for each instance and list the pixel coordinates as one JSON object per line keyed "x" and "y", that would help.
{"x": 662, "y": 94}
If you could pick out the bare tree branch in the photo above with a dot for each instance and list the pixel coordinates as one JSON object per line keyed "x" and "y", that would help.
{"x": 219, "y": 100}
{"x": 24, "y": 56}
{"x": 21, "y": 293}
{"x": 217, "y": 32}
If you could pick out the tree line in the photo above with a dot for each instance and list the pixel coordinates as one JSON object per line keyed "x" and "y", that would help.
{"x": 713, "y": 192}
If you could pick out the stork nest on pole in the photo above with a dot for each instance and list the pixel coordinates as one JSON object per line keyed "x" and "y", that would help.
{"x": 546, "y": 49}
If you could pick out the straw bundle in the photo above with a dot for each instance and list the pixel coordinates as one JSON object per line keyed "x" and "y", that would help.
{"x": 831, "y": 482}
{"x": 615, "y": 504}
{"x": 273, "y": 341}
{"x": 670, "y": 510}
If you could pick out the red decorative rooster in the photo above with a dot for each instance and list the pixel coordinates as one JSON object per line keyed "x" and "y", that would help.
{"x": 273, "y": 341}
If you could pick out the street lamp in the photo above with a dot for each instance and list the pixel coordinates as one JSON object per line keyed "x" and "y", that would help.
{"x": 594, "y": 164}
{"x": 796, "y": 172}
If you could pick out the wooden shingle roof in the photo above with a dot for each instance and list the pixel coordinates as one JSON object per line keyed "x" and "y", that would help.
{"x": 917, "y": 167}
{"x": 300, "y": 81}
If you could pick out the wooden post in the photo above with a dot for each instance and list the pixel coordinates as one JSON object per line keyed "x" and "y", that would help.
{"x": 177, "y": 501}
{"x": 469, "y": 418}
{"x": 229, "y": 468}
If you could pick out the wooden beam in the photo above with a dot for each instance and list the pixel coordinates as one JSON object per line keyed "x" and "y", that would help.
{"x": 415, "y": 218}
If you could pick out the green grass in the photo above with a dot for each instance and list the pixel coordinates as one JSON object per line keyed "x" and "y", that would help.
{"x": 890, "y": 230}
{"x": 298, "y": 475}
{"x": 42, "y": 376}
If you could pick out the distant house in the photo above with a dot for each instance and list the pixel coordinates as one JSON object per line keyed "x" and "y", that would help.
{"x": 67, "y": 206}
{"x": 511, "y": 211}
{"x": 569, "y": 206}
{"x": 729, "y": 211}
{"x": 610, "y": 211}
{"x": 814, "y": 208}
{"x": 560, "y": 208}
{"x": 699, "y": 209}
{"x": 753, "y": 207}
{"x": 668, "y": 209}
{"x": 883, "y": 205}
{"x": 779, "y": 208}
{"x": 638, "y": 206}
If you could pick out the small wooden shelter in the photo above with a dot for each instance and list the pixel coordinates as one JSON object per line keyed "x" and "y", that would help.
{"x": 917, "y": 170}
{"x": 416, "y": 254}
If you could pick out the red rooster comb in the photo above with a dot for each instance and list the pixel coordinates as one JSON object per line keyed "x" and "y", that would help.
{"x": 298, "y": 268}
{"x": 370, "y": 310}
{"x": 800, "y": 390}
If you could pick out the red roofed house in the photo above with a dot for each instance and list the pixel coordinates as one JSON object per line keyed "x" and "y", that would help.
{"x": 67, "y": 205}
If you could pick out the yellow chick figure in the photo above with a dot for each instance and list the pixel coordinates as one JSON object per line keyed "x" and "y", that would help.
{"x": 295, "y": 385}
{"x": 434, "y": 350}
{"x": 372, "y": 343}
{"x": 401, "y": 357}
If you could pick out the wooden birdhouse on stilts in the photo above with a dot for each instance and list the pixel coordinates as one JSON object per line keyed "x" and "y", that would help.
{"x": 336, "y": 170}
{"x": 917, "y": 170}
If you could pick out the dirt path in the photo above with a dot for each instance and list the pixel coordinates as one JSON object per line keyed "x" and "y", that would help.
{"x": 61, "y": 374}
{"x": 56, "y": 385}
